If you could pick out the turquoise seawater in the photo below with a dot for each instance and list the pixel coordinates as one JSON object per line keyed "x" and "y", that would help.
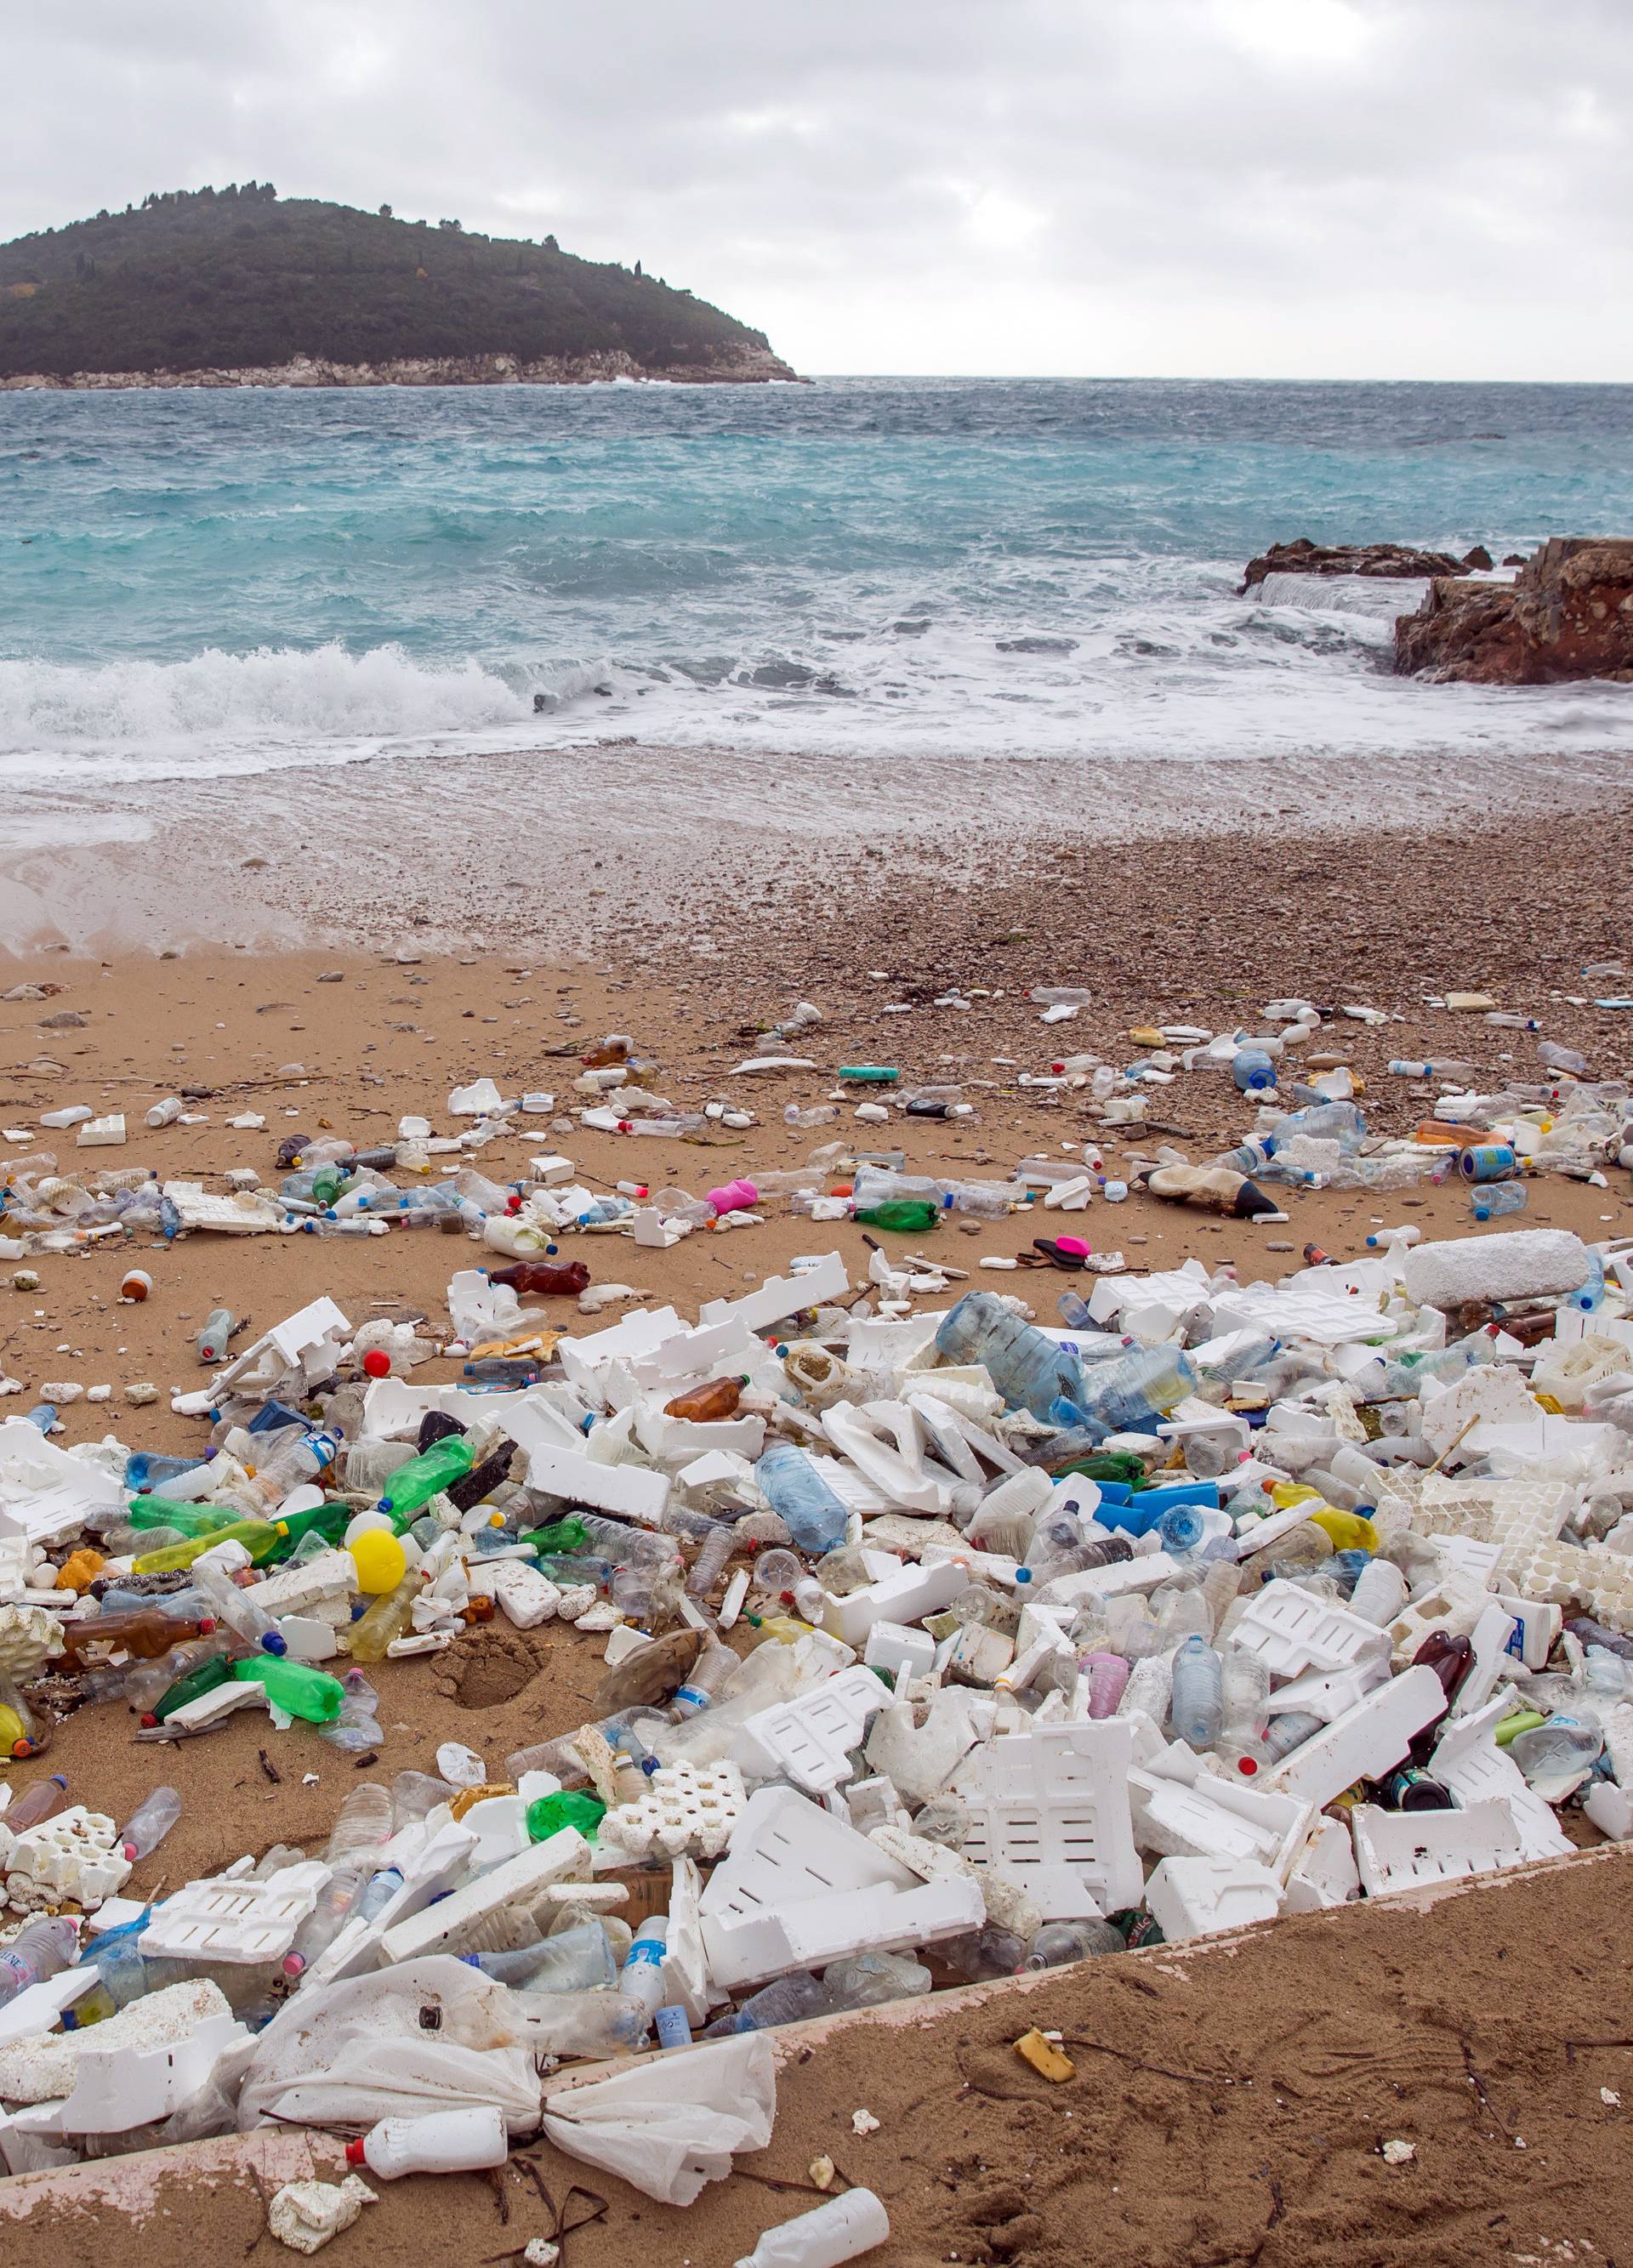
{"x": 204, "y": 584}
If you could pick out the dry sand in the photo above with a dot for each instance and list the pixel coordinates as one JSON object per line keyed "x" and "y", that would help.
{"x": 1267, "y": 2149}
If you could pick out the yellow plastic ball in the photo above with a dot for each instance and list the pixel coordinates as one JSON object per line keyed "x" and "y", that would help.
{"x": 380, "y": 1559}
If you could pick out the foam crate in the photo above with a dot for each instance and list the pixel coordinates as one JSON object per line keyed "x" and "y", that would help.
{"x": 809, "y": 1739}
{"x": 1056, "y": 1797}
{"x": 1198, "y": 1897}
{"x": 1367, "y": 1742}
{"x": 1468, "y": 1762}
{"x": 235, "y": 1919}
{"x": 1400, "y": 1851}
{"x": 1292, "y": 1631}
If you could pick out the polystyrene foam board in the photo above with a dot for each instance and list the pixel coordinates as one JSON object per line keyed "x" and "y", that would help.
{"x": 1198, "y": 1897}
{"x": 318, "y": 1325}
{"x": 1292, "y": 1631}
{"x": 749, "y": 1950}
{"x": 630, "y": 1490}
{"x": 560, "y": 1857}
{"x": 637, "y": 1334}
{"x": 685, "y": 1964}
{"x": 1302, "y": 1311}
{"x": 1611, "y": 1810}
{"x": 1328, "y": 1694}
{"x": 893, "y": 1647}
{"x": 687, "y": 1809}
{"x": 780, "y": 1296}
{"x": 1491, "y": 1638}
{"x": 808, "y": 1740}
{"x": 1056, "y": 1796}
{"x": 1121, "y": 1578}
{"x": 1326, "y": 1874}
{"x": 1365, "y": 1743}
{"x": 237, "y": 1920}
{"x": 117, "y": 2089}
{"x": 1214, "y": 1817}
{"x": 884, "y": 1442}
{"x": 1398, "y": 1850}
{"x": 38, "y": 2007}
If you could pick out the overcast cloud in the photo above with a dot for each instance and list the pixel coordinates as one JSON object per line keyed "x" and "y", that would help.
{"x": 1436, "y": 188}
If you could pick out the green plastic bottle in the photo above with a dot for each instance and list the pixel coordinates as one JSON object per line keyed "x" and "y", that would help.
{"x": 567, "y": 1807}
{"x": 294, "y": 1687}
{"x": 911, "y": 1216}
{"x": 328, "y": 1520}
{"x": 261, "y": 1538}
{"x": 559, "y": 1535}
{"x": 205, "y": 1679}
{"x": 328, "y": 1183}
{"x": 423, "y": 1477}
{"x": 190, "y": 1519}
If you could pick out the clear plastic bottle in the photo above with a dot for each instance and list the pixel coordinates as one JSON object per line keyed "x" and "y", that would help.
{"x": 1245, "y": 1687}
{"x": 870, "y": 1980}
{"x": 1379, "y": 1593}
{"x": 41, "y": 1801}
{"x": 1491, "y": 1200}
{"x": 579, "y": 1959}
{"x": 793, "y": 1485}
{"x": 361, "y": 1825}
{"x": 238, "y": 1610}
{"x": 385, "y": 1620}
{"x": 1288, "y": 1731}
{"x": 355, "y": 1730}
{"x": 714, "y": 1554}
{"x": 1058, "y": 1942}
{"x": 1569, "y": 1742}
{"x": 413, "y": 1795}
{"x": 1028, "y": 1369}
{"x": 323, "y": 1925}
{"x": 42, "y": 1949}
{"x": 150, "y": 1822}
{"x": 787, "y": 2000}
{"x": 1197, "y": 1702}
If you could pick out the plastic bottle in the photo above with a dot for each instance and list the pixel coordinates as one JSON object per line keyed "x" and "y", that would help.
{"x": 1108, "y": 1674}
{"x": 1568, "y": 1742}
{"x": 323, "y": 1925}
{"x": 1245, "y": 1687}
{"x": 1029, "y": 1370}
{"x": 294, "y": 1687}
{"x": 1252, "y": 1070}
{"x": 146, "y": 1632}
{"x": 1491, "y": 1200}
{"x": 355, "y": 1729}
{"x": 642, "y": 1980}
{"x": 1131, "y": 1395}
{"x": 1058, "y": 1942}
{"x": 212, "y": 1340}
{"x": 237, "y": 1608}
{"x": 1379, "y": 1593}
{"x": 425, "y": 1476}
{"x": 713, "y": 1553}
{"x": 705, "y": 1681}
{"x": 1197, "y": 1706}
{"x": 444, "y": 2142}
{"x": 717, "y": 1398}
{"x": 150, "y": 1822}
{"x": 361, "y": 1825}
{"x": 43, "y": 1800}
{"x": 42, "y": 1949}
{"x": 842, "y": 2229}
{"x": 793, "y": 1485}
{"x": 787, "y": 2000}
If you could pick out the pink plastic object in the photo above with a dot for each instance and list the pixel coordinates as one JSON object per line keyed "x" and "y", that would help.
{"x": 1108, "y": 1673}
{"x": 1075, "y": 1245}
{"x": 733, "y": 1197}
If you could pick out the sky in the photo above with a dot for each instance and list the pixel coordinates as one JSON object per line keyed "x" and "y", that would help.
{"x": 1298, "y": 188}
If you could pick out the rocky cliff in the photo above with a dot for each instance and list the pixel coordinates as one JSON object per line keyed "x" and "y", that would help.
{"x": 744, "y": 364}
{"x": 1393, "y": 562}
{"x": 1567, "y": 614}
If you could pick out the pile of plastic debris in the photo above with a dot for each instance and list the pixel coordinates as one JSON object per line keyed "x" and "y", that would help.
{"x": 940, "y": 1646}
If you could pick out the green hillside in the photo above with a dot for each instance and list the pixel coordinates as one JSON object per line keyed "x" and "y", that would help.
{"x": 242, "y": 278}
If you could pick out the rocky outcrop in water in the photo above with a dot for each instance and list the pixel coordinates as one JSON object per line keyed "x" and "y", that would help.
{"x": 1567, "y": 614}
{"x": 734, "y": 363}
{"x": 1394, "y": 561}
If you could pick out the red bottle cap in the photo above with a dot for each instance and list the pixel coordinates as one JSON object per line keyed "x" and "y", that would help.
{"x": 354, "y": 2151}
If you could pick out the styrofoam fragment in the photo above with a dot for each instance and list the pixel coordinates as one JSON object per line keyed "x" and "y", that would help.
{"x": 782, "y": 1296}
{"x": 1326, "y": 1873}
{"x": 688, "y": 1810}
{"x": 1468, "y": 1762}
{"x": 45, "y": 1494}
{"x": 441, "y": 1927}
{"x": 1454, "y": 1605}
{"x": 1398, "y": 1850}
{"x": 1366, "y": 1743}
{"x": 69, "y": 1856}
{"x": 245, "y": 1215}
{"x": 524, "y": 1595}
{"x": 893, "y": 1647}
{"x": 1198, "y": 1897}
{"x": 746, "y": 1950}
{"x": 1215, "y": 1817}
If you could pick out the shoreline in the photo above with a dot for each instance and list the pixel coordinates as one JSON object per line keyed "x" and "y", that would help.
{"x": 310, "y": 371}
{"x": 659, "y": 846}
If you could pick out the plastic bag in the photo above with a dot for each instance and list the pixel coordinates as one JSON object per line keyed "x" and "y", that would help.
{"x": 668, "y": 2126}
{"x": 362, "y": 2050}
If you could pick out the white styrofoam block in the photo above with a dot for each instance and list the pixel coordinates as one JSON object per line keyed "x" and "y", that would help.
{"x": 117, "y": 2089}
{"x": 428, "y": 1871}
{"x": 1197, "y": 1897}
{"x": 500, "y": 1823}
{"x": 1398, "y": 1850}
{"x": 324, "y": 1585}
{"x": 639, "y": 1332}
{"x": 1055, "y": 1796}
{"x": 1514, "y": 1264}
{"x": 692, "y": 1354}
{"x": 906, "y": 1596}
{"x": 101, "y": 1133}
{"x": 893, "y": 1647}
{"x": 1540, "y": 1621}
{"x": 314, "y": 1331}
{"x": 244, "y": 1215}
{"x": 780, "y": 1296}
{"x": 688, "y": 1810}
{"x": 1292, "y": 1631}
{"x": 71, "y": 1855}
{"x": 1326, "y": 1873}
{"x": 1122, "y": 1577}
{"x": 685, "y": 1964}
{"x": 525, "y": 1596}
{"x": 1365, "y": 1743}
{"x": 749, "y": 1950}
{"x": 235, "y": 1919}
{"x": 1610, "y": 1808}
{"x": 809, "y": 1739}
{"x": 629, "y": 1489}
{"x": 977, "y": 1653}
{"x": 561, "y": 1857}
{"x": 1468, "y": 1762}
{"x": 1329, "y": 1693}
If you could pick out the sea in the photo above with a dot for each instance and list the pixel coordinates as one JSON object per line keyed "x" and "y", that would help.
{"x": 217, "y": 585}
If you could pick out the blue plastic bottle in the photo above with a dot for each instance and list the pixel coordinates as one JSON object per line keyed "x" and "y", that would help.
{"x": 794, "y": 1487}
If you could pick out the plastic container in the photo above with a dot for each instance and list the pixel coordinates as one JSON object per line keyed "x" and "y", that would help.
{"x": 1197, "y": 1708}
{"x": 1491, "y": 1200}
{"x": 150, "y": 1822}
{"x": 41, "y": 1948}
{"x": 445, "y": 2142}
{"x": 212, "y": 1340}
{"x": 1252, "y": 1070}
{"x": 793, "y": 1485}
{"x": 842, "y": 2229}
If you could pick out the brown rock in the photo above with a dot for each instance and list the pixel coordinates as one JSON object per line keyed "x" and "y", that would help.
{"x": 1393, "y": 560}
{"x": 1567, "y": 614}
